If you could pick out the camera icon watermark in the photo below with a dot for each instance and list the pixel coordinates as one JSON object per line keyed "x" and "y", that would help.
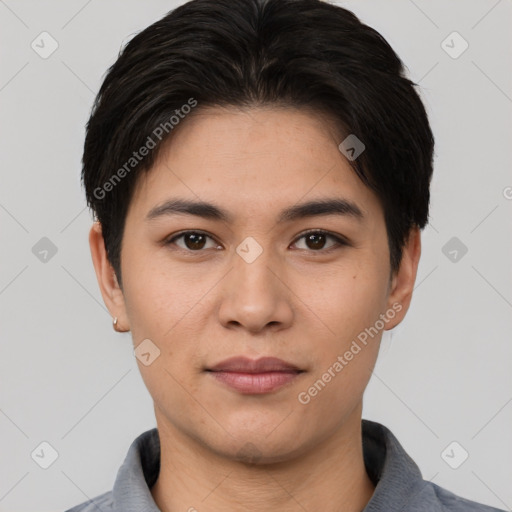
{"x": 352, "y": 147}
{"x": 249, "y": 453}
{"x": 454, "y": 45}
{"x": 44, "y": 250}
{"x": 454, "y": 249}
{"x": 44, "y": 455}
{"x": 44, "y": 45}
{"x": 146, "y": 352}
{"x": 249, "y": 249}
{"x": 454, "y": 455}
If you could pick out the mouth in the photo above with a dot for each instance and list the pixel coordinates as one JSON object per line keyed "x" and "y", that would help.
{"x": 248, "y": 376}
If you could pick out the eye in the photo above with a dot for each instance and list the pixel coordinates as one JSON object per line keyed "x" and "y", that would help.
{"x": 316, "y": 240}
{"x": 193, "y": 241}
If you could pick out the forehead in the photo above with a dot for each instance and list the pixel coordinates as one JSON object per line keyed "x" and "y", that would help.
{"x": 253, "y": 160}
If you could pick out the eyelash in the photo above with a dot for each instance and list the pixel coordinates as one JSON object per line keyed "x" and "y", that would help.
{"x": 340, "y": 241}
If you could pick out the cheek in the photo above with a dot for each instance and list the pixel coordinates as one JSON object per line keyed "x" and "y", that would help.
{"x": 157, "y": 294}
{"x": 165, "y": 305}
{"x": 347, "y": 299}
{"x": 350, "y": 307}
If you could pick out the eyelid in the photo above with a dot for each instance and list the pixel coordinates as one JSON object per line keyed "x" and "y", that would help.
{"x": 172, "y": 238}
{"x": 339, "y": 239}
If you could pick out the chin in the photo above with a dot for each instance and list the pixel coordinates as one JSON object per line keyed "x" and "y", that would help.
{"x": 260, "y": 449}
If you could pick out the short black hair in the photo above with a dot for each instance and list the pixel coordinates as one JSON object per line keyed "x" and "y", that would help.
{"x": 250, "y": 53}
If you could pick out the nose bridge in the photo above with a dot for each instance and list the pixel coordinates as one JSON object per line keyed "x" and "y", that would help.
{"x": 254, "y": 295}
{"x": 251, "y": 267}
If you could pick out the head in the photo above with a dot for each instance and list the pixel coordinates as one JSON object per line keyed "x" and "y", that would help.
{"x": 296, "y": 244}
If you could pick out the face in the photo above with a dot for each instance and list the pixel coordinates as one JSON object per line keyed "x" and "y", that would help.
{"x": 257, "y": 275}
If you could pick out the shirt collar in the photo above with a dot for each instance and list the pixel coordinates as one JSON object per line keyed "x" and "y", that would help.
{"x": 137, "y": 474}
{"x": 396, "y": 476}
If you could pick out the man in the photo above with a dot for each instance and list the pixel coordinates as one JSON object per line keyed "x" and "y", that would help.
{"x": 259, "y": 171}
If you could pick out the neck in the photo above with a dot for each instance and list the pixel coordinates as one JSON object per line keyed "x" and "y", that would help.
{"x": 330, "y": 476}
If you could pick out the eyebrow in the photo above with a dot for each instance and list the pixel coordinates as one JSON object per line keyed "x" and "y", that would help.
{"x": 206, "y": 210}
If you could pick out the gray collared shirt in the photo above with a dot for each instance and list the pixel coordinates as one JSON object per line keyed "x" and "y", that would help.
{"x": 399, "y": 484}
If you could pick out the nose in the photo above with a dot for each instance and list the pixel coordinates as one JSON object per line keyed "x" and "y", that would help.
{"x": 255, "y": 295}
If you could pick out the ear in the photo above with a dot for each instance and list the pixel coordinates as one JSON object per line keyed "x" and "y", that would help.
{"x": 402, "y": 282}
{"x": 107, "y": 280}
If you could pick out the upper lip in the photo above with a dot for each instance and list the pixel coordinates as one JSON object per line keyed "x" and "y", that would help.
{"x": 242, "y": 364}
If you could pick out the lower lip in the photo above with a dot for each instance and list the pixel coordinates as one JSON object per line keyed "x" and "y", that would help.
{"x": 255, "y": 383}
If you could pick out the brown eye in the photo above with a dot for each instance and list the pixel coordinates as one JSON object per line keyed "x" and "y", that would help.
{"x": 192, "y": 241}
{"x": 195, "y": 241}
{"x": 316, "y": 241}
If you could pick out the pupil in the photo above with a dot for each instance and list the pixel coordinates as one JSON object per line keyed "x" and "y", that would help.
{"x": 318, "y": 244}
{"x": 196, "y": 239}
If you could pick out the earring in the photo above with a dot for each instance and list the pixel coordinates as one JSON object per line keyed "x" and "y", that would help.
{"x": 116, "y": 327}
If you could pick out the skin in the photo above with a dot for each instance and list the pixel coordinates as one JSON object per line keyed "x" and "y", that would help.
{"x": 301, "y": 302}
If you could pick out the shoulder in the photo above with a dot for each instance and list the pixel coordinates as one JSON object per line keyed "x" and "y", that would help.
{"x": 447, "y": 501}
{"x": 102, "y": 502}
{"x": 399, "y": 482}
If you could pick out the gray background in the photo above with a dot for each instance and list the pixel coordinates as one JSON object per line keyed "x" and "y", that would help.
{"x": 67, "y": 378}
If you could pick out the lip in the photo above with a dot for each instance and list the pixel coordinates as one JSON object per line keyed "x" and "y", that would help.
{"x": 259, "y": 376}
{"x": 242, "y": 364}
